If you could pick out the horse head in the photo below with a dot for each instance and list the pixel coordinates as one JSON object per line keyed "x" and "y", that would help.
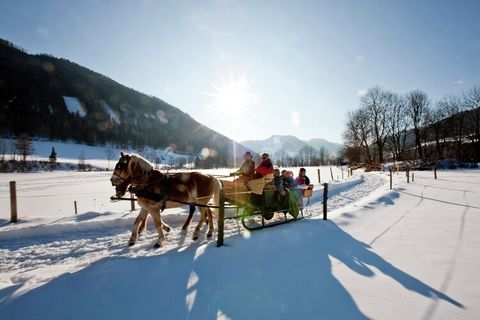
{"x": 121, "y": 178}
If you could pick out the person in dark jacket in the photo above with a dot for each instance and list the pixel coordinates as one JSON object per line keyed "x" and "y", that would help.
{"x": 247, "y": 169}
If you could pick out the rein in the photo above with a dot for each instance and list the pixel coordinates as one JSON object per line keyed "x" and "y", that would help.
{"x": 113, "y": 199}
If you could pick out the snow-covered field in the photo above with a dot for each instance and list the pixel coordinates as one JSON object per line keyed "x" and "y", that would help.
{"x": 96, "y": 156}
{"x": 406, "y": 253}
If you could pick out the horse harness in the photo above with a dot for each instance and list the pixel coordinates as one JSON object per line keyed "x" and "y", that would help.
{"x": 145, "y": 191}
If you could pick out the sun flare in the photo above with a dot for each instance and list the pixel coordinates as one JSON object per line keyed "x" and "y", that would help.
{"x": 233, "y": 97}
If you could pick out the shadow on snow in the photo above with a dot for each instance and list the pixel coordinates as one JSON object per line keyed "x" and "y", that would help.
{"x": 269, "y": 276}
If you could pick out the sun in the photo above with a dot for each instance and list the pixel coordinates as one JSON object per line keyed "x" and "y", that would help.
{"x": 233, "y": 97}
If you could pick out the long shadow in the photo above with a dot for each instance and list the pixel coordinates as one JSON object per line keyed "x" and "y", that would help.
{"x": 285, "y": 273}
{"x": 442, "y": 201}
{"x": 4, "y": 222}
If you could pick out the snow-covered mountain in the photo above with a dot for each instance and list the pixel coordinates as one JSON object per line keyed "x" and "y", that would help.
{"x": 290, "y": 144}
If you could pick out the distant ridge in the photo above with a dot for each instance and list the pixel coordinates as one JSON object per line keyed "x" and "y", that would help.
{"x": 291, "y": 145}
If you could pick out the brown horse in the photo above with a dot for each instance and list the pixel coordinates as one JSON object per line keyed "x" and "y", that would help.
{"x": 156, "y": 190}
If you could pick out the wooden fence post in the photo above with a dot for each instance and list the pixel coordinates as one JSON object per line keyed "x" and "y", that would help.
{"x": 75, "y": 206}
{"x": 413, "y": 176}
{"x": 221, "y": 218}
{"x": 342, "y": 173}
{"x": 435, "y": 172}
{"x": 319, "y": 180}
{"x": 331, "y": 173}
{"x": 390, "y": 178}
{"x": 325, "y": 197}
{"x": 13, "y": 202}
{"x": 408, "y": 175}
{"x": 132, "y": 202}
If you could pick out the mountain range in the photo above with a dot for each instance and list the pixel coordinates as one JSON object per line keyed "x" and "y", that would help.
{"x": 291, "y": 145}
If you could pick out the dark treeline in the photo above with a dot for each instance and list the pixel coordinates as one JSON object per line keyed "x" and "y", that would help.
{"x": 32, "y": 91}
{"x": 391, "y": 127}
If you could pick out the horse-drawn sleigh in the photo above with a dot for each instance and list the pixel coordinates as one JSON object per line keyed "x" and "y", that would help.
{"x": 156, "y": 191}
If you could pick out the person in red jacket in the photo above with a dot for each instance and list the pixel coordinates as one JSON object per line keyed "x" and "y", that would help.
{"x": 265, "y": 167}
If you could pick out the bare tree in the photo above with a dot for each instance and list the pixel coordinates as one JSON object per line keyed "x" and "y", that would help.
{"x": 110, "y": 153}
{"x": 82, "y": 166}
{"x": 24, "y": 147}
{"x": 441, "y": 125}
{"x": 417, "y": 104}
{"x": 280, "y": 157}
{"x": 374, "y": 102}
{"x": 306, "y": 155}
{"x": 322, "y": 155}
{"x": 358, "y": 133}
{"x": 397, "y": 125}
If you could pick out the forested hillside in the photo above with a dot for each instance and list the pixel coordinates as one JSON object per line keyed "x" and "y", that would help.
{"x": 44, "y": 96}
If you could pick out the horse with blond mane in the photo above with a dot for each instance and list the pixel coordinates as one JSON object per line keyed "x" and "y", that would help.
{"x": 154, "y": 189}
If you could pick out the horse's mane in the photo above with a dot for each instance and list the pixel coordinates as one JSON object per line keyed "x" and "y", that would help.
{"x": 141, "y": 162}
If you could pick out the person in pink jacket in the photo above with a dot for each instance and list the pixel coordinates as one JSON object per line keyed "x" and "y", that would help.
{"x": 302, "y": 179}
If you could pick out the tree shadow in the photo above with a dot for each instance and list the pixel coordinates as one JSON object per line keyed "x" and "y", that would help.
{"x": 285, "y": 273}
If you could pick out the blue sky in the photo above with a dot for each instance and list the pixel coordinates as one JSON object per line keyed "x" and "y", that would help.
{"x": 251, "y": 69}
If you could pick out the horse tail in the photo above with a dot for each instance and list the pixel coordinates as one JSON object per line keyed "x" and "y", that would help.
{"x": 216, "y": 195}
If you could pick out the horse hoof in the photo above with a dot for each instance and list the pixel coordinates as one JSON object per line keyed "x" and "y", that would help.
{"x": 195, "y": 238}
{"x": 131, "y": 244}
{"x": 156, "y": 246}
{"x": 209, "y": 235}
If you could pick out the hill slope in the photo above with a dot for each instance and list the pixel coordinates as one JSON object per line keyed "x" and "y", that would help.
{"x": 55, "y": 98}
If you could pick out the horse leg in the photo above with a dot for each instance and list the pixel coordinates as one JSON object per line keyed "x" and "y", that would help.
{"x": 142, "y": 216}
{"x": 165, "y": 226}
{"x": 157, "y": 219}
{"x": 189, "y": 218}
{"x": 211, "y": 228}
{"x": 143, "y": 225}
{"x": 203, "y": 216}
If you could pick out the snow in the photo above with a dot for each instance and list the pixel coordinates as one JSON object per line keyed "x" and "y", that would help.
{"x": 69, "y": 152}
{"x": 406, "y": 253}
{"x": 112, "y": 114}
{"x": 74, "y": 105}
